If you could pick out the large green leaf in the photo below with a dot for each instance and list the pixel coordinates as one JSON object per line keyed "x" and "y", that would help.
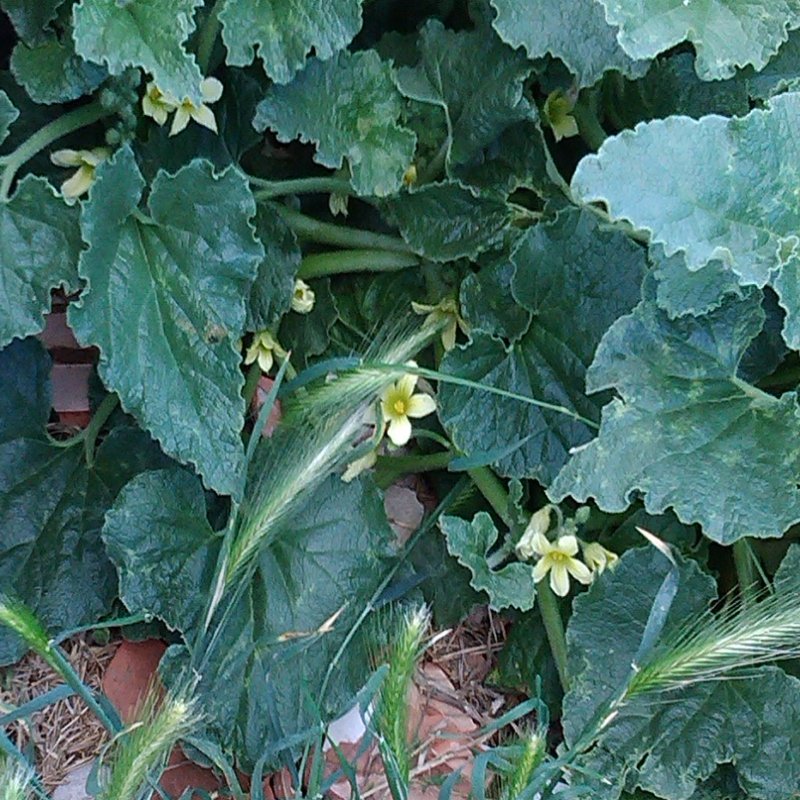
{"x": 725, "y": 33}
{"x": 682, "y": 291}
{"x": 52, "y": 505}
{"x": 141, "y": 33}
{"x": 668, "y": 744}
{"x": 166, "y": 305}
{"x": 562, "y": 279}
{"x": 475, "y": 79}
{"x": 471, "y": 543}
{"x": 8, "y": 113}
{"x": 349, "y": 107}
{"x": 687, "y": 431}
{"x": 445, "y": 221}
{"x": 31, "y": 19}
{"x": 692, "y": 185}
{"x": 486, "y": 301}
{"x": 41, "y": 244}
{"x": 782, "y": 72}
{"x": 265, "y": 670}
{"x": 272, "y": 289}
{"x": 51, "y": 72}
{"x": 286, "y": 31}
{"x": 671, "y": 86}
{"x": 575, "y": 31}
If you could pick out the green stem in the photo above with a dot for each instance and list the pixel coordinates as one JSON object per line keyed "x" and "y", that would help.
{"x": 328, "y": 233}
{"x": 251, "y": 384}
{"x": 81, "y": 689}
{"x": 207, "y": 37}
{"x": 320, "y": 185}
{"x": 436, "y": 165}
{"x": 391, "y": 467}
{"x": 492, "y": 488}
{"x": 589, "y": 126}
{"x": 65, "y": 124}
{"x": 339, "y": 262}
{"x": 554, "y": 628}
{"x": 104, "y": 411}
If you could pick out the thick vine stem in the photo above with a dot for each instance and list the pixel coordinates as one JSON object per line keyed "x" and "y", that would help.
{"x": 207, "y": 37}
{"x": 104, "y": 411}
{"x": 327, "y": 233}
{"x": 589, "y": 126}
{"x": 320, "y": 185}
{"x": 340, "y": 262}
{"x": 65, "y": 124}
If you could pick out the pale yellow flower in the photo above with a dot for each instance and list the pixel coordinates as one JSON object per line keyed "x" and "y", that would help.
{"x": 211, "y": 90}
{"x": 557, "y": 110}
{"x": 538, "y": 525}
{"x": 400, "y": 405}
{"x": 598, "y": 557}
{"x": 158, "y": 105}
{"x": 264, "y": 349}
{"x": 303, "y": 297}
{"x": 558, "y": 558}
{"x": 448, "y": 310}
{"x": 410, "y": 175}
{"x": 86, "y": 161}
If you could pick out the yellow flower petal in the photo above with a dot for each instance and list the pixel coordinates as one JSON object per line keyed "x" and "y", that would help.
{"x": 180, "y": 120}
{"x": 541, "y": 569}
{"x": 66, "y": 158}
{"x": 449, "y": 336}
{"x": 559, "y": 580}
{"x": 579, "y": 571}
{"x": 406, "y": 385}
{"x": 204, "y": 116}
{"x": 355, "y": 468}
{"x": 79, "y": 183}
{"x": 265, "y": 360}
{"x": 399, "y": 430}
{"x": 211, "y": 89}
{"x": 420, "y": 405}
{"x": 541, "y": 545}
{"x": 568, "y": 545}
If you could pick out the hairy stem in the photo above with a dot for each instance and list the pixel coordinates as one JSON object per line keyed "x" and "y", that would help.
{"x": 339, "y": 262}
{"x": 327, "y": 233}
{"x": 251, "y": 384}
{"x": 320, "y": 185}
{"x": 104, "y": 411}
{"x": 589, "y": 126}
{"x": 208, "y": 36}
{"x": 45, "y": 136}
{"x": 554, "y": 628}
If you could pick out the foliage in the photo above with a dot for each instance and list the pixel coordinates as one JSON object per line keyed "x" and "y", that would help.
{"x": 570, "y": 224}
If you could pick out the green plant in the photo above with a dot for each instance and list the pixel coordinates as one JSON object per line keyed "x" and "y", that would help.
{"x": 568, "y": 228}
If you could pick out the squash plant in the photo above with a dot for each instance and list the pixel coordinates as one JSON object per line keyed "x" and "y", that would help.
{"x": 544, "y": 250}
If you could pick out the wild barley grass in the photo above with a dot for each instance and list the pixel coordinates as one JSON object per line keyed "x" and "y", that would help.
{"x": 143, "y": 748}
{"x": 15, "y": 780}
{"x": 715, "y": 644}
{"x": 532, "y": 751}
{"x": 404, "y": 651}
{"x": 319, "y": 434}
{"x": 17, "y": 616}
